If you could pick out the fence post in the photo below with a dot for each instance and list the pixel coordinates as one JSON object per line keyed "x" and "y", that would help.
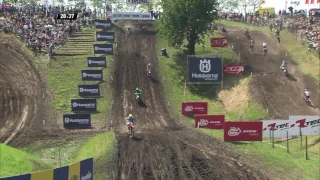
{"x": 287, "y": 141}
{"x": 300, "y": 138}
{"x": 272, "y": 138}
{"x": 307, "y": 148}
{"x": 60, "y": 156}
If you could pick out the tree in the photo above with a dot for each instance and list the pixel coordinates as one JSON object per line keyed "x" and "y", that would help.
{"x": 186, "y": 21}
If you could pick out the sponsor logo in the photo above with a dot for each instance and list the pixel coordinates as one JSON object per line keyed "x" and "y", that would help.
{"x": 96, "y": 48}
{"x": 88, "y": 105}
{"x": 274, "y": 126}
{"x": 75, "y": 177}
{"x": 103, "y": 36}
{"x": 87, "y": 176}
{"x": 235, "y": 69}
{"x": 219, "y": 42}
{"x": 91, "y": 75}
{"x": 205, "y": 66}
{"x": 188, "y": 108}
{"x": 96, "y": 62}
{"x": 203, "y": 122}
{"x": 233, "y": 131}
{"x": 103, "y": 24}
{"x": 89, "y": 90}
{"x": 80, "y": 121}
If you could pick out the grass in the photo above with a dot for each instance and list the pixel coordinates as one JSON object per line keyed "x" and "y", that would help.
{"x": 66, "y": 152}
{"x": 173, "y": 73}
{"x": 64, "y": 75}
{"x": 307, "y": 62}
{"x": 14, "y": 161}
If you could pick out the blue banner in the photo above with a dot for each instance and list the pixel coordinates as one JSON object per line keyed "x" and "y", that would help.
{"x": 86, "y": 169}
{"x": 20, "y": 177}
{"x": 61, "y": 173}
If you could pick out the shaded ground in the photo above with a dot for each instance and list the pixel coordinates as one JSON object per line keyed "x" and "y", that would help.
{"x": 281, "y": 95}
{"x": 162, "y": 149}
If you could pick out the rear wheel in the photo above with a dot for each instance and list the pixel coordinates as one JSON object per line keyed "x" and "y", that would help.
{"x": 131, "y": 132}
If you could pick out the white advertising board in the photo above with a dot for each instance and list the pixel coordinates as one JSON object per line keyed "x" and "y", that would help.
{"x": 137, "y": 1}
{"x": 280, "y": 128}
{"x": 310, "y": 125}
{"x": 130, "y": 16}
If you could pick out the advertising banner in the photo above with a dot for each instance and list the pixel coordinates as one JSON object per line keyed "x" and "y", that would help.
{"x": 137, "y": 1}
{"x": 307, "y": 125}
{"x": 280, "y": 128}
{"x": 97, "y": 61}
{"x": 102, "y": 24}
{"x": 209, "y": 121}
{"x": 92, "y": 75}
{"x": 48, "y": 175}
{"x": 77, "y": 121}
{"x": 204, "y": 70}
{"x": 243, "y": 131}
{"x": 194, "y": 108}
{"x": 84, "y": 104}
{"x": 105, "y": 36}
{"x": 74, "y": 171}
{"x": 61, "y": 173}
{"x": 86, "y": 169}
{"x": 19, "y": 177}
{"x": 103, "y": 49}
{"x": 233, "y": 69}
{"x": 89, "y": 90}
{"x": 130, "y": 16}
{"x": 219, "y": 42}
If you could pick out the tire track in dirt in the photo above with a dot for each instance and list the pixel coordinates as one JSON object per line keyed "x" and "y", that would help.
{"x": 162, "y": 149}
{"x": 281, "y": 95}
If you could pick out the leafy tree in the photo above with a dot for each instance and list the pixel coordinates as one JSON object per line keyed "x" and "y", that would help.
{"x": 186, "y": 21}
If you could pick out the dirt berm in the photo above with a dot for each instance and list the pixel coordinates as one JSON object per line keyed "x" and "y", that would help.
{"x": 162, "y": 149}
{"x": 23, "y": 95}
{"x": 281, "y": 95}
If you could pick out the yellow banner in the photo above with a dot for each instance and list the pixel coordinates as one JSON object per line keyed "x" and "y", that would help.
{"x": 74, "y": 171}
{"x": 43, "y": 175}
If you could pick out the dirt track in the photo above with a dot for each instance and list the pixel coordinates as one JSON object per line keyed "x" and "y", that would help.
{"x": 281, "y": 95}
{"x": 162, "y": 149}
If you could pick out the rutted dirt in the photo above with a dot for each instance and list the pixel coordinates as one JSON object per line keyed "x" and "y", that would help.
{"x": 281, "y": 95}
{"x": 162, "y": 149}
{"x": 23, "y": 95}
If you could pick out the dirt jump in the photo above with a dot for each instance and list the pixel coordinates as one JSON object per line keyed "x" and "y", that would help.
{"x": 282, "y": 95}
{"x": 162, "y": 148}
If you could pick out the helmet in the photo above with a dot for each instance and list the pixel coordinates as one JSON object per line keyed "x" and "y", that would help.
{"x": 137, "y": 89}
{"x": 130, "y": 115}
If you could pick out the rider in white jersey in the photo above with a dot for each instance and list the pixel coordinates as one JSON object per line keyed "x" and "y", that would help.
{"x": 264, "y": 44}
{"x": 307, "y": 93}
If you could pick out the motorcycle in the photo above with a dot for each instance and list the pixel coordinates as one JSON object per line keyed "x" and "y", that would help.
{"x": 265, "y": 51}
{"x": 148, "y": 71}
{"x": 138, "y": 96}
{"x": 285, "y": 70}
{"x": 251, "y": 48}
{"x": 131, "y": 129}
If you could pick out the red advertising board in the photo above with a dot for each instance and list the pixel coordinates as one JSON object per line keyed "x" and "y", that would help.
{"x": 194, "y": 108}
{"x": 233, "y": 69}
{"x": 219, "y": 42}
{"x": 243, "y": 131}
{"x": 209, "y": 121}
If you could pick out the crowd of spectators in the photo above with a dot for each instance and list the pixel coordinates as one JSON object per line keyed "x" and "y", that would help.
{"x": 38, "y": 27}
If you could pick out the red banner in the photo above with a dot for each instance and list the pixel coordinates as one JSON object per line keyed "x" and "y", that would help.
{"x": 219, "y": 42}
{"x": 243, "y": 131}
{"x": 233, "y": 69}
{"x": 194, "y": 108}
{"x": 209, "y": 121}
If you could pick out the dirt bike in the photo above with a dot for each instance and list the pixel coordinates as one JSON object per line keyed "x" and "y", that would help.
{"x": 148, "y": 71}
{"x": 251, "y": 48}
{"x": 307, "y": 100}
{"x": 265, "y": 51}
{"x": 138, "y": 96}
{"x": 131, "y": 129}
{"x": 278, "y": 38}
{"x": 285, "y": 70}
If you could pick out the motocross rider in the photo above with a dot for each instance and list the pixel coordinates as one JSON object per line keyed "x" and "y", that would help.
{"x": 307, "y": 94}
{"x": 264, "y": 45}
{"x": 137, "y": 91}
{"x": 148, "y": 67}
{"x": 246, "y": 31}
{"x": 130, "y": 119}
{"x": 251, "y": 43}
{"x": 284, "y": 65}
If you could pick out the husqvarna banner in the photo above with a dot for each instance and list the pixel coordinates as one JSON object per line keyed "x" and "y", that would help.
{"x": 105, "y": 36}
{"x": 82, "y": 170}
{"x": 204, "y": 70}
{"x": 103, "y": 49}
{"x": 102, "y": 24}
